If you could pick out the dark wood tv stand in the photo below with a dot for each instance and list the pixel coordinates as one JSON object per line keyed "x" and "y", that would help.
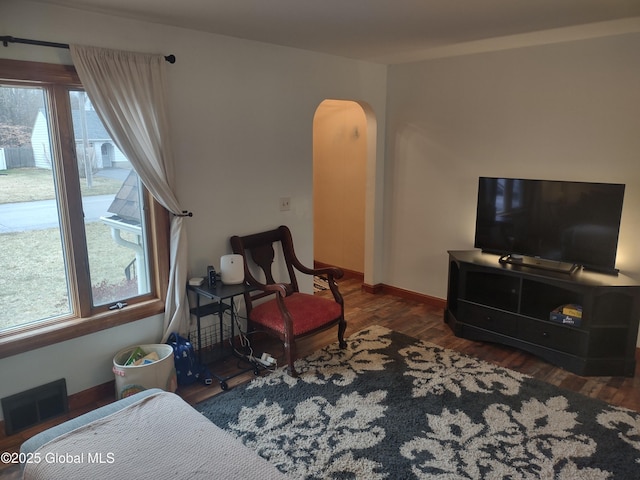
{"x": 510, "y": 304}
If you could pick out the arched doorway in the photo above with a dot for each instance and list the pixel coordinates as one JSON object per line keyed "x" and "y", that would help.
{"x": 342, "y": 151}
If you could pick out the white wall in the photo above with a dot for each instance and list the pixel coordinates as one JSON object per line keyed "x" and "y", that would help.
{"x": 242, "y": 117}
{"x": 84, "y": 361}
{"x": 568, "y": 111}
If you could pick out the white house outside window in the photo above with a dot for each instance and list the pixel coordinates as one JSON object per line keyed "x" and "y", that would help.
{"x": 74, "y": 227}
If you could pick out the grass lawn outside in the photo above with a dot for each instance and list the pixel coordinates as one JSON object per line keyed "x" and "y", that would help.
{"x": 33, "y": 284}
{"x": 31, "y": 184}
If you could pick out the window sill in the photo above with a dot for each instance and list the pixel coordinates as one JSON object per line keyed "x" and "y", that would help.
{"x": 42, "y": 334}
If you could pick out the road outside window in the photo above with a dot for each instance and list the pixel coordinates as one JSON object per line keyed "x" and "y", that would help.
{"x": 47, "y": 233}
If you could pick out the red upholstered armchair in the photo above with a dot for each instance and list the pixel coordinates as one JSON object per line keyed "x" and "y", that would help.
{"x": 288, "y": 313}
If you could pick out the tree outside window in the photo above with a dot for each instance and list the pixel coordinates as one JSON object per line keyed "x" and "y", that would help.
{"x": 75, "y": 229}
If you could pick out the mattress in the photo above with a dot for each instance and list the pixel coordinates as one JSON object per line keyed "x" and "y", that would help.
{"x": 158, "y": 436}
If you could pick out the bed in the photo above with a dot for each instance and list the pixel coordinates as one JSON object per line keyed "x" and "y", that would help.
{"x": 153, "y": 434}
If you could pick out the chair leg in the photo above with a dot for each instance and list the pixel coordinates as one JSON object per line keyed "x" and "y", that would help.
{"x": 290, "y": 355}
{"x": 342, "y": 327}
{"x": 290, "y": 348}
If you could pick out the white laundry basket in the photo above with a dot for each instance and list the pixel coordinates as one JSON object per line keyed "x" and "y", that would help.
{"x": 131, "y": 379}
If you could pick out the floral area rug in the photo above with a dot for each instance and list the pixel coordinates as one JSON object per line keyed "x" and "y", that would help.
{"x": 393, "y": 407}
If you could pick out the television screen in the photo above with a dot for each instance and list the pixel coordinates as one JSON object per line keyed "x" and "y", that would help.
{"x": 572, "y": 222}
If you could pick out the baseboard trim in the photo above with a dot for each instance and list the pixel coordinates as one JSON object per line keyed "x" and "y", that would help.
{"x": 382, "y": 288}
{"x": 93, "y": 395}
{"x": 373, "y": 289}
{"x": 406, "y": 294}
{"x": 85, "y": 400}
{"x": 414, "y": 296}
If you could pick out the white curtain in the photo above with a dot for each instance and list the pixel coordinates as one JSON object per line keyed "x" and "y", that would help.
{"x": 128, "y": 91}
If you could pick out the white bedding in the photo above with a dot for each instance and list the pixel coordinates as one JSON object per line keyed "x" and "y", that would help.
{"x": 159, "y": 437}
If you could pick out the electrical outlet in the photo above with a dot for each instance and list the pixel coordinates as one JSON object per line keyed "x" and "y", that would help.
{"x": 285, "y": 204}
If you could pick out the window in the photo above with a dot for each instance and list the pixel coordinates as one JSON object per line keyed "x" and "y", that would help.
{"x": 83, "y": 246}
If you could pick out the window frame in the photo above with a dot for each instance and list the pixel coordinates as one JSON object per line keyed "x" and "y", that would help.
{"x": 59, "y": 80}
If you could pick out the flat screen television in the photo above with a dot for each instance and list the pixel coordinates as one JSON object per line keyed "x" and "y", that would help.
{"x": 574, "y": 223}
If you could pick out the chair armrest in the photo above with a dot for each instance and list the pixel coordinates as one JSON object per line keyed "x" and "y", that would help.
{"x": 287, "y": 241}
{"x": 284, "y": 289}
{"x": 332, "y": 272}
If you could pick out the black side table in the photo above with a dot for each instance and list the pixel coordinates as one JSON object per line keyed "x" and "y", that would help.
{"x": 222, "y": 297}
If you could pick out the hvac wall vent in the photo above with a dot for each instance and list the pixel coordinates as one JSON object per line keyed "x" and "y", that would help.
{"x": 34, "y": 406}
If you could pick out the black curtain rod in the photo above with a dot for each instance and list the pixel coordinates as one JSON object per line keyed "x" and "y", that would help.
{"x": 6, "y": 40}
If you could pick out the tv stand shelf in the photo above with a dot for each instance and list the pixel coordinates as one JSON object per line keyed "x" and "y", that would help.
{"x": 510, "y": 304}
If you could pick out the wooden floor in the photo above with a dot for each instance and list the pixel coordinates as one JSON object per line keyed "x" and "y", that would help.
{"x": 417, "y": 320}
{"x": 425, "y": 322}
